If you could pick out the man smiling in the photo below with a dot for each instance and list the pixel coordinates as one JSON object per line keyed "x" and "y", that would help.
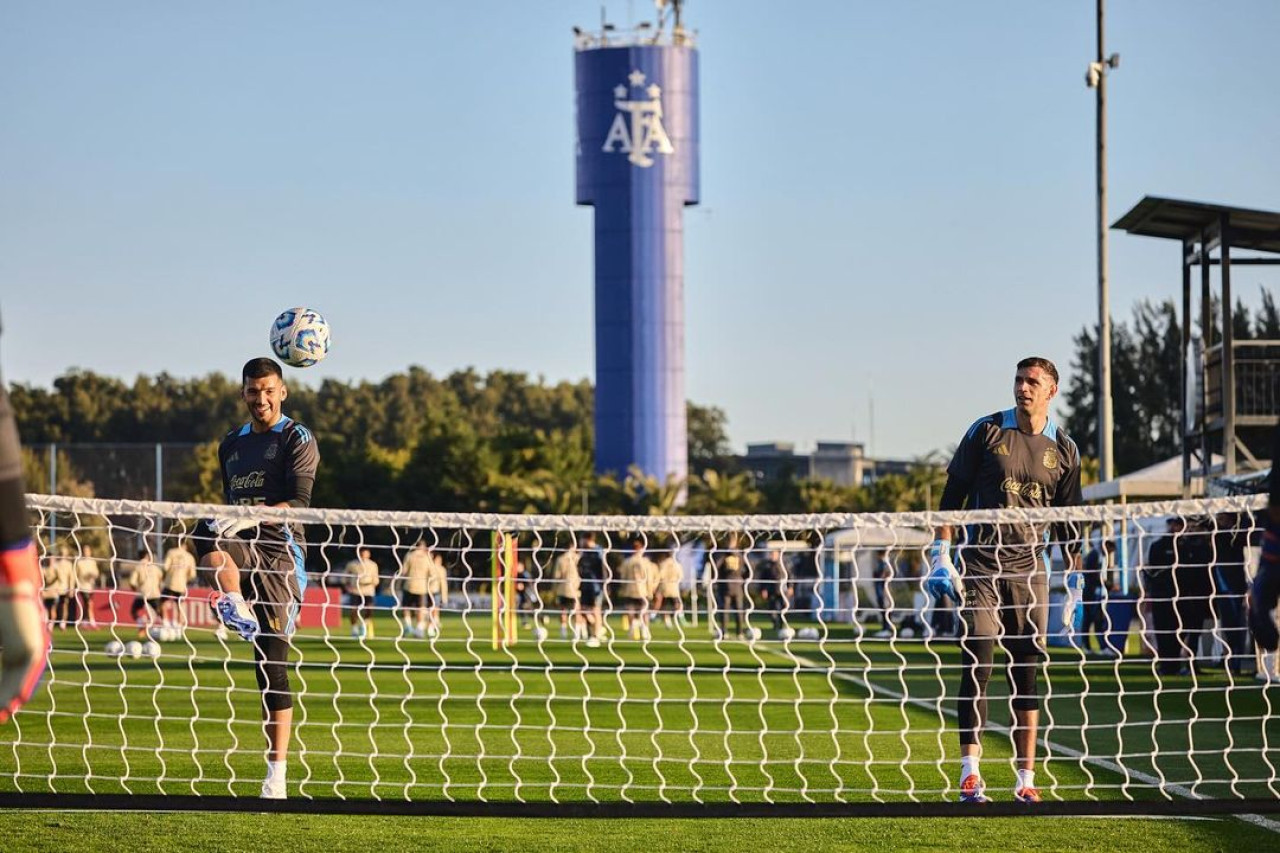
{"x": 270, "y": 461}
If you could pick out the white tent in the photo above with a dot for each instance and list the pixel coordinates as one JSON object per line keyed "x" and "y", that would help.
{"x": 1162, "y": 480}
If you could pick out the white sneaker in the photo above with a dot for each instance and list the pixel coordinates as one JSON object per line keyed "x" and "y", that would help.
{"x": 273, "y": 789}
{"x": 593, "y": 643}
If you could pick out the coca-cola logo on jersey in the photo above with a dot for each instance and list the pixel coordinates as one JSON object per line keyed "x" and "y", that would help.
{"x": 252, "y": 480}
{"x": 1029, "y": 491}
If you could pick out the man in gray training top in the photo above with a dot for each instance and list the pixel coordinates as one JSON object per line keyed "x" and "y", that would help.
{"x": 270, "y": 461}
{"x": 1015, "y": 458}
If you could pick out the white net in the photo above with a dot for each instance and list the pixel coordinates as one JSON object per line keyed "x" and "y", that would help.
{"x": 717, "y": 659}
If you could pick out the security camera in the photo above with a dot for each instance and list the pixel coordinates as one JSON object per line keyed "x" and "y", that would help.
{"x": 1114, "y": 60}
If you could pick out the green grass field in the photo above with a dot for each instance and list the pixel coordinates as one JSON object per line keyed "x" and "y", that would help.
{"x": 669, "y": 720}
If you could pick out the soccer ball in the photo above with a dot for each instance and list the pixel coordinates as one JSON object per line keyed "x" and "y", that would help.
{"x": 807, "y": 634}
{"x": 753, "y": 633}
{"x": 300, "y": 337}
{"x": 151, "y": 649}
{"x": 539, "y": 633}
{"x": 907, "y": 633}
{"x": 786, "y": 633}
{"x": 133, "y": 649}
{"x": 115, "y": 648}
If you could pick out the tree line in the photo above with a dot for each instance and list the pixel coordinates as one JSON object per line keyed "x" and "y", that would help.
{"x": 466, "y": 442}
{"x": 1147, "y": 378}
{"x": 506, "y": 442}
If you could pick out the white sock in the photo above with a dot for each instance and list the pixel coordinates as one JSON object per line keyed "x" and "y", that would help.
{"x": 1026, "y": 778}
{"x": 276, "y": 770}
{"x": 969, "y": 767}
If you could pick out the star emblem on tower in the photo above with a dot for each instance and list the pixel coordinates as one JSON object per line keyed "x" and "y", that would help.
{"x": 636, "y": 78}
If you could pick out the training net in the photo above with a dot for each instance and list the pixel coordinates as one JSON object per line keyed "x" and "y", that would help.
{"x": 555, "y": 659}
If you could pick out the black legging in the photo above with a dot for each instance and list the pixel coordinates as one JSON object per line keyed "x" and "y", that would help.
{"x": 978, "y": 655}
{"x": 271, "y": 654}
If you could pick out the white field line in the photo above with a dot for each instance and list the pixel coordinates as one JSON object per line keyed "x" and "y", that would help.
{"x": 1071, "y": 752}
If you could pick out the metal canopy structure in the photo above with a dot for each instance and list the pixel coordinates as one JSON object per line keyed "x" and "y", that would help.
{"x": 1230, "y": 393}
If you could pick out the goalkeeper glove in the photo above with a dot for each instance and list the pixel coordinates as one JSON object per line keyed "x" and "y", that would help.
{"x": 225, "y": 528}
{"x": 943, "y": 580}
{"x": 1075, "y": 587}
{"x": 1265, "y": 591}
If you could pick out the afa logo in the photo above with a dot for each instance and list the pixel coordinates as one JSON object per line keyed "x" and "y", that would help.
{"x": 637, "y": 129}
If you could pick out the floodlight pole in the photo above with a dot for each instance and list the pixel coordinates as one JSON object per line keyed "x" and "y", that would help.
{"x": 1106, "y": 425}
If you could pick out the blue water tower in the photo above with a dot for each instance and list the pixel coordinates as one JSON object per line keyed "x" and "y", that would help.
{"x": 637, "y": 165}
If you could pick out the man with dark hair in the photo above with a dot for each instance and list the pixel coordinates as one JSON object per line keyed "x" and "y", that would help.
{"x": 23, "y": 631}
{"x": 1265, "y": 590}
{"x": 1015, "y": 458}
{"x": 270, "y": 461}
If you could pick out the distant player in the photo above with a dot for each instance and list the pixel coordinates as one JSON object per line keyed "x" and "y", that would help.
{"x": 1015, "y": 458}
{"x": 415, "y": 570}
{"x": 362, "y": 588}
{"x": 146, "y": 581}
{"x": 59, "y": 578}
{"x": 270, "y": 461}
{"x": 775, "y": 587}
{"x": 634, "y": 576}
{"x": 731, "y": 588}
{"x": 87, "y": 574}
{"x": 24, "y": 636}
{"x": 667, "y": 591}
{"x": 591, "y": 574}
{"x": 568, "y": 586}
{"x": 1265, "y": 591}
{"x": 179, "y": 572}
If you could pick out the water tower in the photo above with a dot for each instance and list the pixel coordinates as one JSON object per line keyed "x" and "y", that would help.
{"x": 637, "y": 165}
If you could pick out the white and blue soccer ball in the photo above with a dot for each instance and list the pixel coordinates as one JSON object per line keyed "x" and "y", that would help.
{"x": 300, "y": 337}
{"x": 133, "y": 649}
{"x": 786, "y": 632}
{"x": 151, "y": 649}
{"x": 115, "y": 648}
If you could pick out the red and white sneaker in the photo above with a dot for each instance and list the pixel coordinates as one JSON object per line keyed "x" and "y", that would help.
{"x": 972, "y": 790}
{"x": 1027, "y": 795}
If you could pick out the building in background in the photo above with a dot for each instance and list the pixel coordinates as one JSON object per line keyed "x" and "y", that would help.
{"x": 844, "y": 463}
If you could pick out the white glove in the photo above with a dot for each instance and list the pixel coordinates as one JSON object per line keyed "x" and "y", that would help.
{"x": 1074, "y": 582}
{"x": 943, "y": 580}
{"x": 225, "y": 528}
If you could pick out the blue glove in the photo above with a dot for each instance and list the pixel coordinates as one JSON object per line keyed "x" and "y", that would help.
{"x": 943, "y": 580}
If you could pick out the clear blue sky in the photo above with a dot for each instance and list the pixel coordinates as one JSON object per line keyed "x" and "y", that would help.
{"x": 897, "y": 197}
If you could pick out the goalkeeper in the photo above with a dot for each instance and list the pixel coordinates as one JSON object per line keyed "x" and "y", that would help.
{"x": 24, "y": 637}
{"x": 1014, "y": 458}
{"x": 1265, "y": 590}
{"x": 270, "y": 461}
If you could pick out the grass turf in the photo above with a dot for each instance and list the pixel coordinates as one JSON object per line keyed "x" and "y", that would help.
{"x": 673, "y": 719}
{"x": 170, "y": 833}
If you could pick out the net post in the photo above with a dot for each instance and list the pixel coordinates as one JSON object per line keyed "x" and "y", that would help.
{"x": 509, "y": 597}
{"x": 495, "y": 587}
